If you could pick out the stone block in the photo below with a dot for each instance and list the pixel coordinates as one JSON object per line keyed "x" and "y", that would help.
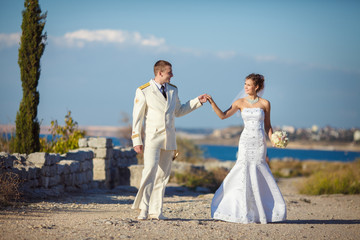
{"x": 60, "y": 169}
{"x": 54, "y": 158}
{"x": 101, "y": 164}
{"x": 48, "y": 182}
{"x": 99, "y": 142}
{"x": 34, "y": 172}
{"x": 94, "y": 184}
{"x": 125, "y": 162}
{"x": 83, "y": 177}
{"x": 113, "y": 162}
{"x": 122, "y": 176}
{"x": 128, "y": 152}
{"x": 6, "y": 160}
{"x": 86, "y": 165}
{"x": 40, "y": 159}
{"x": 27, "y": 184}
{"x": 84, "y": 187}
{"x": 20, "y": 172}
{"x": 69, "y": 179}
{"x": 32, "y": 183}
{"x": 64, "y": 166}
{"x": 121, "y": 153}
{"x": 36, "y": 183}
{"x": 116, "y": 152}
{"x": 103, "y": 153}
{"x": 71, "y": 189}
{"x": 135, "y": 175}
{"x": 99, "y": 174}
{"x": 74, "y": 167}
{"x": 89, "y": 176}
{"x": 78, "y": 179}
{"x": 58, "y": 189}
{"x": 79, "y": 155}
{"x": 49, "y": 171}
{"x": 20, "y": 158}
{"x": 83, "y": 142}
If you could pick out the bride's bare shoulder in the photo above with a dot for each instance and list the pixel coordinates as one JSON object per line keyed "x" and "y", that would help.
{"x": 240, "y": 100}
{"x": 238, "y": 103}
{"x": 264, "y": 101}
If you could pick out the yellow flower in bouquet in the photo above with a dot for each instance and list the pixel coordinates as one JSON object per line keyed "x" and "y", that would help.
{"x": 280, "y": 139}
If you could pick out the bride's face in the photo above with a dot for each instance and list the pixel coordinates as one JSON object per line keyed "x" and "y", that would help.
{"x": 250, "y": 87}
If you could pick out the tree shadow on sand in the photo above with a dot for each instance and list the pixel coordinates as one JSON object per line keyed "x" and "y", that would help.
{"x": 171, "y": 191}
{"x": 317, "y": 221}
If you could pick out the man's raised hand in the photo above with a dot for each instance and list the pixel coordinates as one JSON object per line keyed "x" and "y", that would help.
{"x": 202, "y": 98}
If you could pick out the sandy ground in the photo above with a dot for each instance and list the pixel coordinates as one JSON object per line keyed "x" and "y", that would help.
{"x": 106, "y": 214}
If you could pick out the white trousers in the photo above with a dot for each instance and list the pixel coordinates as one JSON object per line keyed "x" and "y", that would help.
{"x": 155, "y": 176}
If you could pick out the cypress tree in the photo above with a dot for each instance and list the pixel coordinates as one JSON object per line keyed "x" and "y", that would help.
{"x": 32, "y": 46}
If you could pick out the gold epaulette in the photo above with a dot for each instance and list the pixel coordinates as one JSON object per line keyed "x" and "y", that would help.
{"x": 144, "y": 86}
{"x": 172, "y": 85}
{"x": 134, "y": 136}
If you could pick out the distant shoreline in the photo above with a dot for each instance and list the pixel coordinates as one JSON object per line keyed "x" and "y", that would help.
{"x": 305, "y": 145}
{"x": 203, "y": 139}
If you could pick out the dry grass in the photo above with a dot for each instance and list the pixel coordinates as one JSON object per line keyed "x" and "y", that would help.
{"x": 286, "y": 168}
{"x": 201, "y": 178}
{"x": 9, "y": 188}
{"x": 333, "y": 178}
{"x": 322, "y": 177}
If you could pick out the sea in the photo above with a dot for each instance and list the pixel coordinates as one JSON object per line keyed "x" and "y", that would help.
{"x": 229, "y": 153}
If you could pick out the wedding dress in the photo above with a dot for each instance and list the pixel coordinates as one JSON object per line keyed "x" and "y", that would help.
{"x": 249, "y": 193}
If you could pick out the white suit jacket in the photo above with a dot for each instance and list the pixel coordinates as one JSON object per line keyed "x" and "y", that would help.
{"x": 158, "y": 114}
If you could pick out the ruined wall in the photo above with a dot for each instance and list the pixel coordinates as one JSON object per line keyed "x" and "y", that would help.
{"x": 95, "y": 164}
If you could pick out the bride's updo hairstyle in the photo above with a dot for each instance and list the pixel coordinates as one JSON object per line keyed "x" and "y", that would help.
{"x": 258, "y": 80}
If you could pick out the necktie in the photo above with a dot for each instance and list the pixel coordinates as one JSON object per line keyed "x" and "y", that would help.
{"x": 163, "y": 91}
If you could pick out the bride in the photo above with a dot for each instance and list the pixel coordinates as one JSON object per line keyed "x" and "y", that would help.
{"x": 249, "y": 193}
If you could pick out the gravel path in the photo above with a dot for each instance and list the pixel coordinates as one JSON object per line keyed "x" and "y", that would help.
{"x": 104, "y": 214}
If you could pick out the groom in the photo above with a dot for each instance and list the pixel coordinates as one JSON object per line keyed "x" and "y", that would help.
{"x": 157, "y": 104}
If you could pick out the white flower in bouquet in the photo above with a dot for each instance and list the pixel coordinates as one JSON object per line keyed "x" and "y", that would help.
{"x": 280, "y": 139}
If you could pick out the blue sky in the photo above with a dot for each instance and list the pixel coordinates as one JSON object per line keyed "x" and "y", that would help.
{"x": 99, "y": 52}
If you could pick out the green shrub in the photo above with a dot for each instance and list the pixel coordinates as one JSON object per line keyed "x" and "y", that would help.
{"x": 6, "y": 142}
{"x": 64, "y": 138}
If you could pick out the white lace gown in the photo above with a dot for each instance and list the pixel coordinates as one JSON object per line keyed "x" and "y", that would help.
{"x": 249, "y": 193}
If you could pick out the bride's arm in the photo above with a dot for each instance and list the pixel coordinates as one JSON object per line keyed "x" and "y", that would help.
{"x": 222, "y": 115}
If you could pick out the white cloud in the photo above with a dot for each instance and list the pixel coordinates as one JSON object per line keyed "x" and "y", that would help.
{"x": 9, "y": 40}
{"x": 226, "y": 54}
{"x": 265, "y": 58}
{"x": 81, "y": 37}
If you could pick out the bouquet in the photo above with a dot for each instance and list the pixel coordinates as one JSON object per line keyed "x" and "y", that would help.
{"x": 280, "y": 139}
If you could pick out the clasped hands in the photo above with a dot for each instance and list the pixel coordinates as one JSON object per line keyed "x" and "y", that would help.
{"x": 204, "y": 98}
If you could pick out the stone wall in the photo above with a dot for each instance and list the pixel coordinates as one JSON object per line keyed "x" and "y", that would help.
{"x": 95, "y": 164}
{"x": 111, "y": 164}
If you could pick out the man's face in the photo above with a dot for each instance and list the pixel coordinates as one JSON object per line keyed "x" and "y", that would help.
{"x": 166, "y": 75}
